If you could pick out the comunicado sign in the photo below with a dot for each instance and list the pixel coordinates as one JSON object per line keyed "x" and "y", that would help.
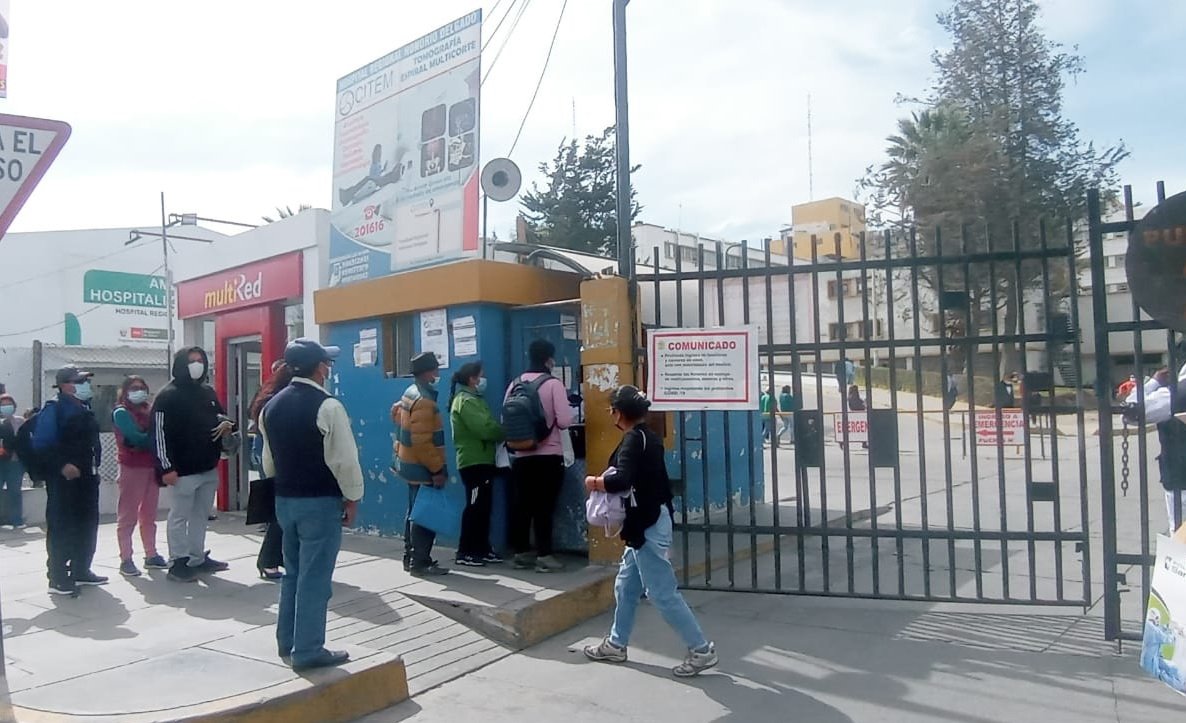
{"x": 275, "y": 279}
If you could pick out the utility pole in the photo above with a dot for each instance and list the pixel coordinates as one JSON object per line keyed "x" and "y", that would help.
{"x": 168, "y": 286}
{"x": 622, "y": 144}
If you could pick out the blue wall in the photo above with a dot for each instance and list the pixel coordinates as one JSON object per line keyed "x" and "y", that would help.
{"x": 708, "y": 443}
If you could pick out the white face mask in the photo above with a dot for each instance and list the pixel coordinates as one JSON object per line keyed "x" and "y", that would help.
{"x": 138, "y": 396}
{"x": 196, "y": 370}
{"x": 82, "y": 391}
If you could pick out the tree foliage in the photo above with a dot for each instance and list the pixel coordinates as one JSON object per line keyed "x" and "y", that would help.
{"x": 990, "y": 156}
{"x": 283, "y": 212}
{"x": 576, "y": 209}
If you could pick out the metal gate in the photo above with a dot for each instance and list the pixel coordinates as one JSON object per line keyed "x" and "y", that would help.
{"x": 984, "y": 459}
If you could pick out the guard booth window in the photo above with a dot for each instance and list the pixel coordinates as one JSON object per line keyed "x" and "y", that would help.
{"x": 399, "y": 345}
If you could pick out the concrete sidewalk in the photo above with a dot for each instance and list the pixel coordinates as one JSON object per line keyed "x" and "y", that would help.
{"x": 150, "y": 649}
{"x": 820, "y": 661}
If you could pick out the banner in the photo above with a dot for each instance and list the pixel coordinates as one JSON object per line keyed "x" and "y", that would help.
{"x": 703, "y": 369}
{"x": 406, "y": 157}
{"x": 120, "y": 308}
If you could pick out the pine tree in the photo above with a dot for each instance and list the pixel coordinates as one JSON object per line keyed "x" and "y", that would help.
{"x": 577, "y": 209}
{"x": 992, "y": 152}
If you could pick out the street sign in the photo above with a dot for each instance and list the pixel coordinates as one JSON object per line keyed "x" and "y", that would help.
{"x": 1156, "y": 262}
{"x": 858, "y": 427}
{"x": 1010, "y": 431}
{"x": 27, "y": 148}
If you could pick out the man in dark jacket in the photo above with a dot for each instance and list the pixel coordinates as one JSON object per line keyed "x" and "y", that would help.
{"x": 309, "y": 449}
{"x": 188, "y": 428}
{"x": 66, "y": 435}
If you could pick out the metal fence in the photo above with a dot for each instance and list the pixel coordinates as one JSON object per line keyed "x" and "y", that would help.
{"x": 1005, "y": 512}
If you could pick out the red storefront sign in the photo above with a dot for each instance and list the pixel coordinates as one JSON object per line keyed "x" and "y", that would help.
{"x": 274, "y": 279}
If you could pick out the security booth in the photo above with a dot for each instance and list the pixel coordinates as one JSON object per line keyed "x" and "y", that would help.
{"x": 464, "y": 311}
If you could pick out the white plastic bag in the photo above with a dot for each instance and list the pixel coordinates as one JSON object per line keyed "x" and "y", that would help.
{"x": 570, "y": 456}
{"x": 502, "y": 458}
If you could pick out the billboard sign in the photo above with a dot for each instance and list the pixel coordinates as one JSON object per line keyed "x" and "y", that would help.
{"x": 123, "y": 308}
{"x": 275, "y": 279}
{"x": 5, "y": 14}
{"x": 703, "y": 369}
{"x": 406, "y": 168}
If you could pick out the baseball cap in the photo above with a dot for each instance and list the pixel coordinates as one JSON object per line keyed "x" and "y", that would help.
{"x": 71, "y": 374}
{"x": 303, "y": 355}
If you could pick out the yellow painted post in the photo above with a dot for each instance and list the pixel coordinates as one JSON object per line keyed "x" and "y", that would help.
{"x": 606, "y": 357}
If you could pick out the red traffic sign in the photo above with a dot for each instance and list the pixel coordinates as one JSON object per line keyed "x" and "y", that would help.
{"x": 28, "y": 146}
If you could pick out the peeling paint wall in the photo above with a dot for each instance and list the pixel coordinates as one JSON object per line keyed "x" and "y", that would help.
{"x": 718, "y": 465}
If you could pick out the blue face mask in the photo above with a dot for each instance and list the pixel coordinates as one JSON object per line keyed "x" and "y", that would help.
{"x": 138, "y": 396}
{"x": 481, "y": 388}
{"x": 434, "y": 385}
{"x": 7, "y": 410}
{"x": 82, "y": 391}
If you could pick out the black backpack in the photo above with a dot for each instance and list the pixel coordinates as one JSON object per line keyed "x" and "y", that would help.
{"x": 524, "y": 424}
{"x": 35, "y": 463}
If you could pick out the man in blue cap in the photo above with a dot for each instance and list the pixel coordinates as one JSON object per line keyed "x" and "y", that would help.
{"x": 309, "y": 449}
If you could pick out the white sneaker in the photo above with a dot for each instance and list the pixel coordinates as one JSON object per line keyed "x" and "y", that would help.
{"x": 696, "y": 663}
{"x": 606, "y": 652}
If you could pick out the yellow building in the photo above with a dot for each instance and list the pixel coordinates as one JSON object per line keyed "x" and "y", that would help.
{"x": 823, "y": 221}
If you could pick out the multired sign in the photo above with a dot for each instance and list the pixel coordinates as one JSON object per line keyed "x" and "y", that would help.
{"x": 1010, "y": 431}
{"x": 857, "y": 424}
{"x": 274, "y": 279}
{"x": 27, "y": 148}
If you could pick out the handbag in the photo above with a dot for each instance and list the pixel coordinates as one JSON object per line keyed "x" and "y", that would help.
{"x": 261, "y": 502}
{"x": 435, "y": 511}
{"x": 1163, "y": 643}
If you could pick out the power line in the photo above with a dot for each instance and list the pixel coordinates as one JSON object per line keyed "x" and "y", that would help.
{"x": 55, "y": 324}
{"x": 500, "y": 22}
{"x": 507, "y": 41}
{"x": 542, "y": 73}
{"x": 58, "y": 269}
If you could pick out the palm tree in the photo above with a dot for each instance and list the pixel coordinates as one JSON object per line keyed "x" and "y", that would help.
{"x": 285, "y": 212}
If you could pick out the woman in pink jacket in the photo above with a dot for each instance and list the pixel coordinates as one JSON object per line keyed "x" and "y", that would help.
{"x": 537, "y": 474}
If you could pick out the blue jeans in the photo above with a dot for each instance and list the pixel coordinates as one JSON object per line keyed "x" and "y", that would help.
{"x": 11, "y": 474}
{"x": 648, "y": 568}
{"x": 312, "y": 529}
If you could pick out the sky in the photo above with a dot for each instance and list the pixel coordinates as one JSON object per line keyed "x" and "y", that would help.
{"x": 228, "y": 106}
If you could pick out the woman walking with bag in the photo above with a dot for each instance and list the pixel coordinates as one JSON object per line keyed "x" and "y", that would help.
{"x": 261, "y": 502}
{"x": 476, "y": 435}
{"x": 139, "y": 488}
{"x": 638, "y": 467}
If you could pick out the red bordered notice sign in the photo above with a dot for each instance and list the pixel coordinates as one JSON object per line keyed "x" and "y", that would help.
{"x": 1010, "y": 431}
{"x": 703, "y": 369}
{"x": 857, "y": 424}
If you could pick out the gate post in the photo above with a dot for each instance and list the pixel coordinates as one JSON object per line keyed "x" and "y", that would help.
{"x": 1103, "y": 395}
{"x": 607, "y": 357}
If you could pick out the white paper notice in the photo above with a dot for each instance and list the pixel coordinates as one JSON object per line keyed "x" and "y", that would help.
{"x": 465, "y": 336}
{"x": 434, "y": 335}
{"x": 569, "y": 323}
{"x": 703, "y": 369}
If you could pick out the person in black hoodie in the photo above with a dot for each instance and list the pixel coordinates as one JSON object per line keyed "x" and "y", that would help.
{"x": 637, "y": 468}
{"x": 189, "y": 425}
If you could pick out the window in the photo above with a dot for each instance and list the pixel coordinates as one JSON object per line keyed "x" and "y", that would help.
{"x": 688, "y": 255}
{"x": 836, "y": 332}
{"x": 669, "y": 250}
{"x": 1118, "y": 288}
{"x": 831, "y": 289}
{"x": 733, "y": 262}
{"x": 399, "y": 345}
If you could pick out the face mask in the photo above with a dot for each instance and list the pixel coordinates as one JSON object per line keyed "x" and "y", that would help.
{"x": 82, "y": 391}
{"x": 196, "y": 370}
{"x": 481, "y": 388}
{"x": 7, "y": 410}
{"x": 138, "y": 396}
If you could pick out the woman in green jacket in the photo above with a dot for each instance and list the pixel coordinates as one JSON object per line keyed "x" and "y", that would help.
{"x": 476, "y": 434}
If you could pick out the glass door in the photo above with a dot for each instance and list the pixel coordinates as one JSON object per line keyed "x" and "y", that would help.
{"x": 243, "y": 382}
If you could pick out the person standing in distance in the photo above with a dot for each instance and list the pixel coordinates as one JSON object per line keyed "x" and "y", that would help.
{"x": 12, "y": 472}
{"x": 476, "y": 435}
{"x": 420, "y": 456}
{"x": 188, "y": 428}
{"x": 66, "y": 435}
{"x": 309, "y": 449}
{"x": 139, "y": 492}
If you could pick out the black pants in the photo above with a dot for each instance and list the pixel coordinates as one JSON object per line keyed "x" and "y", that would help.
{"x": 479, "y": 501}
{"x": 535, "y": 487}
{"x": 418, "y": 540}
{"x": 71, "y": 526}
{"x": 271, "y": 550}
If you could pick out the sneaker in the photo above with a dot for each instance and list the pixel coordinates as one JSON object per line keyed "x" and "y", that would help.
{"x": 524, "y": 561}
{"x": 156, "y": 562}
{"x": 606, "y": 652}
{"x": 181, "y": 571}
{"x": 493, "y": 558}
{"x": 431, "y": 570}
{"x": 127, "y": 568}
{"x": 89, "y": 578}
{"x": 63, "y": 588}
{"x": 212, "y": 565}
{"x": 469, "y": 561}
{"x": 547, "y": 563}
{"x": 697, "y": 662}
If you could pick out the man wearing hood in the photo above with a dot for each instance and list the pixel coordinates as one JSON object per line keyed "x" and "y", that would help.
{"x": 189, "y": 425}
